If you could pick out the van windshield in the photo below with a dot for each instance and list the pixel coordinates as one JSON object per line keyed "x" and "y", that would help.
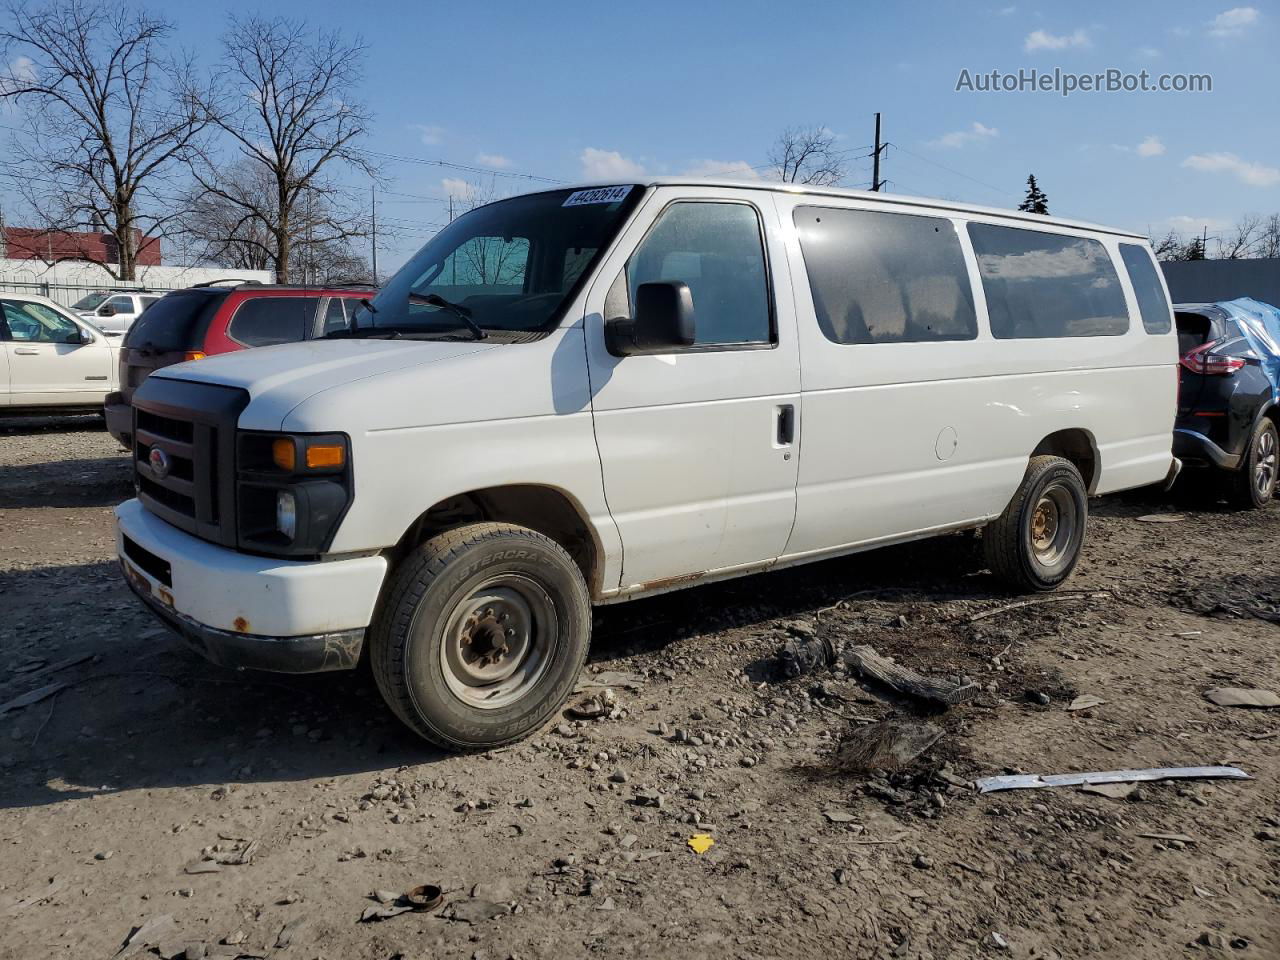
{"x": 510, "y": 266}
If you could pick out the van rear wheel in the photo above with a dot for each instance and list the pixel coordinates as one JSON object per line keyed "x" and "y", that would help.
{"x": 481, "y": 636}
{"x": 1036, "y": 542}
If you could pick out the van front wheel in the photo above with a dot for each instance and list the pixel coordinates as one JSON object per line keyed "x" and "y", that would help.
{"x": 481, "y": 635}
{"x": 1036, "y": 542}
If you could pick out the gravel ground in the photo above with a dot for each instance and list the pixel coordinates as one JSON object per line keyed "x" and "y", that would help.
{"x": 233, "y": 814}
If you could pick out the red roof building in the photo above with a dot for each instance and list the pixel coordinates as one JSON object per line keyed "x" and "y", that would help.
{"x": 51, "y": 246}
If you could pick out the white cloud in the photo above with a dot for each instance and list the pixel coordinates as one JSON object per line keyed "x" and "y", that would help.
{"x": 1232, "y": 23}
{"x": 20, "y": 70}
{"x": 1253, "y": 174}
{"x": 738, "y": 169}
{"x": 1152, "y": 146}
{"x": 609, "y": 165}
{"x": 958, "y": 138}
{"x": 1044, "y": 40}
{"x": 1007, "y": 11}
{"x": 493, "y": 160}
{"x": 429, "y": 135}
{"x": 1148, "y": 53}
{"x": 1182, "y": 222}
{"x": 457, "y": 188}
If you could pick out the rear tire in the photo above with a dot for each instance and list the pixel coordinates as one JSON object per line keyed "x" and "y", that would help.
{"x": 481, "y": 636}
{"x": 1035, "y": 544}
{"x": 1252, "y": 486}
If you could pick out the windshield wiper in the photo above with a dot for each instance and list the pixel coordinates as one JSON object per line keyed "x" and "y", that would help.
{"x": 459, "y": 311}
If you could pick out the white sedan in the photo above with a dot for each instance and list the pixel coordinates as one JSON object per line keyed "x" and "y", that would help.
{"x": 50, "y": 361}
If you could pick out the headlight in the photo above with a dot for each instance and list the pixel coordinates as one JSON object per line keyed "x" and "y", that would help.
{"x": 286, "y": 513}
{"x": 291, "y": 491}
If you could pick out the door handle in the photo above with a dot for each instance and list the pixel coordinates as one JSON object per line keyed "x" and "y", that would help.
{"x": 786, "y": 424}
{"x": 27, "y": 351}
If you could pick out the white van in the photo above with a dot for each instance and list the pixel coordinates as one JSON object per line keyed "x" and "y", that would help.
{"x": 590, "y": 394}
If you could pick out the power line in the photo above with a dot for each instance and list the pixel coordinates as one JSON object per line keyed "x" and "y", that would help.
{"x": 1003, "y": 193}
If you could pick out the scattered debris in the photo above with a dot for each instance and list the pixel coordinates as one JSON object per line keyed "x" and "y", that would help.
{"x": 1174, "y": 837}
{"x": 611, "y": 678}
{"x": 701, "y": 842}
{"x": 56, "y": 886}
{"x": 1054, "y": 598}
{"x": 289, "y": 932}
{"x": 425, "y": 896}
{"x": 1162, "y": 518}
{"x": 1086, "y": 702}
{"x": 602, "y": 704}
{"x": 1024, "y": 781}
{"x": 474, "y": 910}
{"x": 1241, "y": 697}
{"x": 806, "y": 654}
{"x": 30, "y": 697}
{"x": 839, "y": 816}
{"x": 151, "y": 933}
{"x": 865, "y": 661}
{"x": 887, "y": 745}
{"x": 202, "y": 866}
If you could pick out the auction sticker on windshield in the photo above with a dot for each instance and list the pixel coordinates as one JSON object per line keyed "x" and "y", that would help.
{"x": 597, "y": 195}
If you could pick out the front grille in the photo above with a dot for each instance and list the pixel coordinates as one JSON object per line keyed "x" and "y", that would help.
{"x": 183, "y": 434}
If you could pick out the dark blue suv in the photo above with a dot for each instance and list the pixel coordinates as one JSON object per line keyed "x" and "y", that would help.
{"x": 1228, "y": 395}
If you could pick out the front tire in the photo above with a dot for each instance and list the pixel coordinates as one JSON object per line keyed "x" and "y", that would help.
{"x": 1252, "y": 486}
{"x": 481, "y": 636}
{"x": 1035, "y": 544}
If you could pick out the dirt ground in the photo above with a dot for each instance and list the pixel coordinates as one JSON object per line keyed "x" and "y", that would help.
{"x": 117, "y": 791}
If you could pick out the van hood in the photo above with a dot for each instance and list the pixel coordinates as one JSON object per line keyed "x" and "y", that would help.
{"x": 292, "y": 372}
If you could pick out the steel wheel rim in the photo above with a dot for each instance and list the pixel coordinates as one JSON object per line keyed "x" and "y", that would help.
{"x": 1053, "y": 526}
{"x": 496, "y": 643}
{"x": 1264, "y": 470}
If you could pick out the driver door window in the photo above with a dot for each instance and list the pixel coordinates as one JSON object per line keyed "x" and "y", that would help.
{"x": 123, "y": 306}
{"x": 36, "y": 323}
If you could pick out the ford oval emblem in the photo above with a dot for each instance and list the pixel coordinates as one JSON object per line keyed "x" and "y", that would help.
{"x": 160, "y": 463}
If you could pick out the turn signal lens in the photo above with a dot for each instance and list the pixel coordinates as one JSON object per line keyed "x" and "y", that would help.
{"x": 283, "y": 454}
{"x": 322, "y": 455}
{"x": 193, "y": 355}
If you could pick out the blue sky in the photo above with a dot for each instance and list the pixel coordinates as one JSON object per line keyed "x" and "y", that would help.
{"x": 572, "y": 90}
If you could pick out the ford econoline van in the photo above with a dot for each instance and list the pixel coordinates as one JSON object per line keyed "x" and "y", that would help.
{"x": 589, "y": 394}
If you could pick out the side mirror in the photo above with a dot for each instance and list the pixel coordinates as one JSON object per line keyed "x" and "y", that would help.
{"x": 106, "y": 310}
{"x": 663, "y": 321}
{"x": 78, "y": 337}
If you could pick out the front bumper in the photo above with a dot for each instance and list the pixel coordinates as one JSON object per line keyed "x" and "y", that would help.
{"x": 119, "y": 419}
{"x": 1192, "y": 446}
{"x": 246, "y": 611}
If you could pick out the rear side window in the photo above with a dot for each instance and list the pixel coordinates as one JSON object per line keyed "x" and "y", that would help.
{"x": 263, "y": 321}
{"x": 1047, "y": 285}
{"x": 175, "y": 323}
{"x": 885, "y": 277}
{"x": 715, "y": 248}
{"x": 1152, "y": 303}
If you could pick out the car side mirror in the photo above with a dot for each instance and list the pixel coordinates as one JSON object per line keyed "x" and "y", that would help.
{"x": 663, "y": 321}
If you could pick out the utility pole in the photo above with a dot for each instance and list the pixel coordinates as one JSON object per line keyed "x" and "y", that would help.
{"x": 373, "y": 228}
{"x": 876, "y": 182}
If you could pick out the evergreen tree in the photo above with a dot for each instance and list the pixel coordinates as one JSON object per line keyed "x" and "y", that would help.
{"x": 1037, "y": 201}
{"x": 1195, "y": 250}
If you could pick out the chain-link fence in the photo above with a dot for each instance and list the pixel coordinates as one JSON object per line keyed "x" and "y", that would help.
{"x": 68, "y": 294}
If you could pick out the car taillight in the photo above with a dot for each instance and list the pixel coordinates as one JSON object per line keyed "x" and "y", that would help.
{"x": 1201, "y": 361}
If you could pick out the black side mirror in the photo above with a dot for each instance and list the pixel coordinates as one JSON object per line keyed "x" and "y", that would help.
{"x": 78, "y": 336}
{"x": 663, "y": 321}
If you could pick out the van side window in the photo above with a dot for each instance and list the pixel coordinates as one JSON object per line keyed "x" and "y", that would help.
{"x": 1152, "y": 303}
{"x": 1047, "y": 285}
{"x": 717, "y": 249}
{"x": 885, "y": 277}
{"x": 263, "y": 321}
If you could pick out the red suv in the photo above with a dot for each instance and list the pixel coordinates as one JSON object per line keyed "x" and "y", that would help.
{"x": 201, "y": 321}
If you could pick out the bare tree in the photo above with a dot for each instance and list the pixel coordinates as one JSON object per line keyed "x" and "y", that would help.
{"x": 1168, "y": 247}
{"x": 108, "y": 118}
{"x": 1269, "y": 237}
{"x": 294, "y": 120}
{"x": 1240, "y": 242}
{"x": 808, "y": 155}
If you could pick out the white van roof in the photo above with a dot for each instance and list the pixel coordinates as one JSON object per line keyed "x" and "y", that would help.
{"x": 889, "y": 199}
